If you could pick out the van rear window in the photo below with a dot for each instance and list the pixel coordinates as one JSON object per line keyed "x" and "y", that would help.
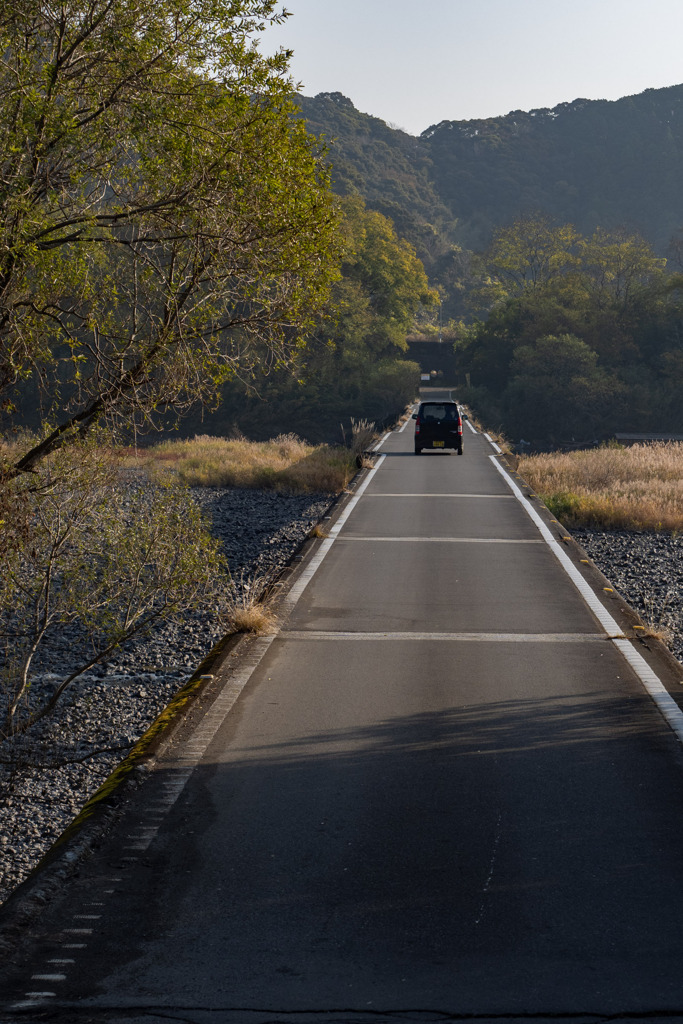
{"x": 434, "y": 412}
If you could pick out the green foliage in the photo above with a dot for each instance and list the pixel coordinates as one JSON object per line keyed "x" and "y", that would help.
{"x": 558, "y": 391}
{"x": 388, "y": 168}
{"x": 354, "y": 364}
{"x": 589, "y": 162}
{"x": 564, "y": 505}
{"x": 532, "y": 252}
{"x": 584, "y": 341}
{"x": 165, "y": 222}
{"x": 166, "y": 225}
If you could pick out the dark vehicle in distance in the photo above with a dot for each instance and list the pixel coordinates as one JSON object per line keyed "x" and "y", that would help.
{"x": 438, "y": 425}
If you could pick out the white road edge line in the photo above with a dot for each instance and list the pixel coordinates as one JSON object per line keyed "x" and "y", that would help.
{"x": 650, "y": 680}
{"x": 493, "y": 444}
{"x": 473, "y": 429}
{"x": 317, "y": 559}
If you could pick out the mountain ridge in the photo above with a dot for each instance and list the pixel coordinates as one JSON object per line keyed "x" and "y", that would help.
{"x": 594, "y": 163}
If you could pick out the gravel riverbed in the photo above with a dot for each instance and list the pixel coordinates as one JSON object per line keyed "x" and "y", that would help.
{"x": 47, "y": 777}
{"x": 45, "y": 781}
{"x": 647, "y": 570}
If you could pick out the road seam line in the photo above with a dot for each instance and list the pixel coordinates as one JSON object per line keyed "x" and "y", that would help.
{"x": 440, "y": 540}
{"x": 466, "y": 637}
{"x": 398, "y": 494}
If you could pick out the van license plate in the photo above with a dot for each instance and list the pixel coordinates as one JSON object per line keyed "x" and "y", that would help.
{"x": 438, "y": 444}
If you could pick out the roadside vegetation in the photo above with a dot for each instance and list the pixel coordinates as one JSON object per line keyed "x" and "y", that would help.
{"x": 285, "y": 463}
{"x": 614, "y": 488}
{"x": 88, "y": 560}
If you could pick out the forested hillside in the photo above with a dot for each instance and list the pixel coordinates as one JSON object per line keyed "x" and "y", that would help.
{"x": 594, "y": 163}
{"x": 549, "y": 262}
{"x": 388, "y": 168}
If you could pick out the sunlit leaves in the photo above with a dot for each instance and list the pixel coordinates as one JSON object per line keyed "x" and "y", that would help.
{"x": 162, "y": 212}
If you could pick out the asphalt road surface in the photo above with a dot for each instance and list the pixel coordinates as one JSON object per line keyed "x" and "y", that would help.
{"x": 442, "y": 794}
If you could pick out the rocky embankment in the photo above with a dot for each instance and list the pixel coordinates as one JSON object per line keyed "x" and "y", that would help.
{"x": 46, "y": 778}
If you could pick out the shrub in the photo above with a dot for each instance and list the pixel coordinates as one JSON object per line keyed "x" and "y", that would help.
{"x": 89, "y": 554}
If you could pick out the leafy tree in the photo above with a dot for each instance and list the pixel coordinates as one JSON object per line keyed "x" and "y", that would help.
{"x": 558, "y": 391}
{"x": 355, "y": 364}
{"x": 382, "y": 277}
{"x": 165, "y": 222}
{"x": 165, "y": 225}
{"x": 616, "y": 264}
{"x": 532, "y": 252}
{"x": 608, "y": 293}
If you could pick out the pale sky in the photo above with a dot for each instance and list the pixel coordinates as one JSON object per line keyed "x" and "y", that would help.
{"x": 417, "y": 62}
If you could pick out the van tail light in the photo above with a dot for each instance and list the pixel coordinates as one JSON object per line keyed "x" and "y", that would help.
{"x": 417, "y": 426}
{"x": 460, "y": 427}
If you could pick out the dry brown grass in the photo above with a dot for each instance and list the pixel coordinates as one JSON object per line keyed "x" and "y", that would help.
{"x": 247, "y": 608}
{"x": 363, "y": 435}
{"x": 285, "y": 464}
{"x": 636, "y": 488}
{"x": 319, "y": 531}
{"x": 257, "y": 619}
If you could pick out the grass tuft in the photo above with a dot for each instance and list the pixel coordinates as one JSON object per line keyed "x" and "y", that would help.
{"x": 246, "y": 607}
{"x": 636, "y": 488}
{"x": 319, "y": 531}
{"x": 363, "y": 434}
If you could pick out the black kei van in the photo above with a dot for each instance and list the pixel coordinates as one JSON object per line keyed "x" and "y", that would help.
{"x": 438, "y": 425}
